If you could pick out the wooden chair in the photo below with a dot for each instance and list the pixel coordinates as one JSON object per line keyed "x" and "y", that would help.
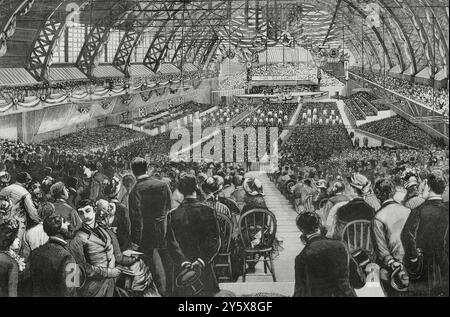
{"x": 223, "y": 258}
{"x": 257, "y": 230}
{"x": 357, "y": 236}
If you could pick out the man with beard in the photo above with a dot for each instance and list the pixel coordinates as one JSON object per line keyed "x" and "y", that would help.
{"x": 54, "y": 272}
{"x": 93, "y": 250}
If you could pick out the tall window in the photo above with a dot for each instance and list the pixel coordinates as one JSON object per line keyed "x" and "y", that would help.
{"x": 76, "y": 38}
{"x": 141, "y": 49}
{"x": 59, "y": 53}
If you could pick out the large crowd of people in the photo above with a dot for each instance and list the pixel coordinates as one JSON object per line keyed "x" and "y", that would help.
{"x": 414, "y": 91}
{"x": 399, "y": 129}
{"x": 301, "y": 71}
{"x": 389, "y": 207}
{"x": 82, "y": 216}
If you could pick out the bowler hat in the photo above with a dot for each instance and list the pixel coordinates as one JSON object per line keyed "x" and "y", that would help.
{"x": 189, "y": 277}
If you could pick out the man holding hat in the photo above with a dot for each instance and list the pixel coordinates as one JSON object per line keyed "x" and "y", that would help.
{"x": 193, "y": 240}
{"x": 387, "y": 227}
{"x": 425, "y": 240}
{"x": 149, "y": 202}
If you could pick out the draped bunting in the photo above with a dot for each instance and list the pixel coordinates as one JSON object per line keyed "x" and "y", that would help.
{"x": 92, "y": 92}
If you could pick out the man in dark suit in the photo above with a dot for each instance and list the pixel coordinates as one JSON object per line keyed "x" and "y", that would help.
{"x": 425, "y": 240}
{"x": 193, "y": 238}
{"x": 324, "y": 268}
{"x": 53, "y": 269}
{"x": 149, "y": 202}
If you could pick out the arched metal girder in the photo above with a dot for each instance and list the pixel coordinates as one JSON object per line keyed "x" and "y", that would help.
{"x": 212, "y": 56}
{"x": 397, "y": 50}
{"x": 161, "y": 42}
{"x": 438, "y": 26}
{"x": 374, "y": 29}
{"x": 99, "y": 34}
{"x": 147, "y": 16}
{"x": 371, "y": 49}
{"x": 54, "y": 25}
{"x": 7, "y": 22}
{"x": 401, "y": 28}
{"x": 418, "y": 26}
{"x": 191, "y": 32}
{"x": 208, "y": 51}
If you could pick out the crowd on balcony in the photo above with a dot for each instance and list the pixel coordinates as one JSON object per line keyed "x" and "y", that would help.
{"x": 401, "y": 130}
{"x": 420, "y": 93}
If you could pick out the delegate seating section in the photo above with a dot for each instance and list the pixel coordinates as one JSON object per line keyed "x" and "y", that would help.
{"x": 310, "y": 145}
{"x": 319, "y": 113}
{"x": 271, "y": 115}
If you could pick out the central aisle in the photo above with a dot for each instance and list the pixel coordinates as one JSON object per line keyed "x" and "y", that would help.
{"x": 288, "y": 233}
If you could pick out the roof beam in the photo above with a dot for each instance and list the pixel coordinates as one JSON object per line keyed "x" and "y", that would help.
{"x": 338, "y": 4}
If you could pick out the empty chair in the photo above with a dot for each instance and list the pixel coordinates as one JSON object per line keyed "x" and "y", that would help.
{"x": 257, "y": 229}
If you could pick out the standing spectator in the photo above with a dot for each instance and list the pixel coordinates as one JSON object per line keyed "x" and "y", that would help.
{"x": 128, "y": 182}
{"x": 36, "y": 237}
{"x": 425, "y": 239}
{"x": 24, "y": 210}
{"x": 97, "y": 179}
{"x": 149, "y": 202}
{"x": 387, "y": 227}
{"x": 412, "y": 198}
{"x": 52, "y": 266}
{"x": 324, "y": 268}
{"x": 74, "y": 196}
{"x": 60, "y": 194}
{"x": 193, "y": 238}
